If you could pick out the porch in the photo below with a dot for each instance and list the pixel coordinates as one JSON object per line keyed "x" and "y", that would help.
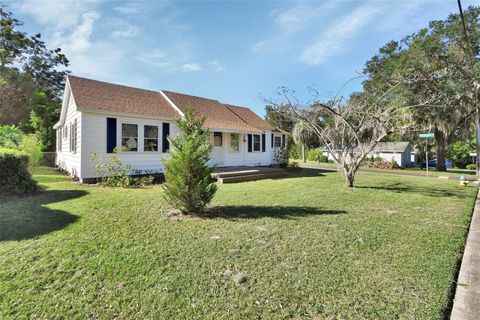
{"x": 245, "y": 173}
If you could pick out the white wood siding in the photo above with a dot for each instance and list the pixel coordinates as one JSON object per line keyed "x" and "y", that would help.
{"x": 243, "y": 157}
{"x": 259, "y": 158}
{"x": 66, "y": 160}
{"x": 92, "y": 137}
{"x": 95, "y": 140}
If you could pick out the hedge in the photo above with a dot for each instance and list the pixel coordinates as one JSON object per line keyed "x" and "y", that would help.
{"x": 471, "y": 166}
{"x": 316, "y": 155}
{"x": 14, "y": 174}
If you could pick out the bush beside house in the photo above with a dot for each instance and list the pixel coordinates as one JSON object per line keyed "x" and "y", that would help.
{"x": 14, "y": 175}
{"x": 13, "y": 138}
{"x": 383, "y": 164}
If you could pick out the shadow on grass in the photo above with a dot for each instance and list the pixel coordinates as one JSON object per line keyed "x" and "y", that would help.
{"x": 255, "y": 212}
{"x": 436, "y": 191}
{"x": 27, "y": 217}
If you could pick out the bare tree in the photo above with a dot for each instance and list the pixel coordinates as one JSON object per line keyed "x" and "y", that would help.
{"x": 350, "y": 129}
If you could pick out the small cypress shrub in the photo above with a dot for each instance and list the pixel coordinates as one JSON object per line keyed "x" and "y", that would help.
{"x": 14, "y": 174}
{"x": 189, "y": 185}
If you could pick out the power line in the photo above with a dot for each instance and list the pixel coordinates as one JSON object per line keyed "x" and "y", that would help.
{"x": 464, "y": 25}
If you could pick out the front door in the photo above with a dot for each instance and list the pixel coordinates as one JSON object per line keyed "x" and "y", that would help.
{"x": 218, "y": 149}
{"x": 277, "y": 145}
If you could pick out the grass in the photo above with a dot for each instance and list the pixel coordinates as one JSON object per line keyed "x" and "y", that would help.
{"x": 308, "y": 246}
{"x": 450, "y": 171}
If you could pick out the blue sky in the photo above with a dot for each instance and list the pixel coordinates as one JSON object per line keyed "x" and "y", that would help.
{"x": 233, "y": 51}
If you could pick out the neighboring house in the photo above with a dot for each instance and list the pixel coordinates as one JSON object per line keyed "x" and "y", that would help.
{"x": 401, "y": 152}
{"x": 414, "y": 158}
{"x": 100, "y": 117}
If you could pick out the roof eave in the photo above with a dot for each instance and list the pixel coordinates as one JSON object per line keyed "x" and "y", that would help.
{"x": 126, "y": 114}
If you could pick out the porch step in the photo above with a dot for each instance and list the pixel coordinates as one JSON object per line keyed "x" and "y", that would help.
{"x": 250, "y": 176}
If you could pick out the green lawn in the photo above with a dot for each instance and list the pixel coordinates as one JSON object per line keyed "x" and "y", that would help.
{"x": 417, "y": 170}
{"x": 309, "y": 247}
{"x": 449, "y": 172}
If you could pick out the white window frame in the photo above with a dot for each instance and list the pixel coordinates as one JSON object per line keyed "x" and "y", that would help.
{"x": 232, "y": 140}
{"x": 221, "y": 138}
{"x": 59, "y": 139}
{"x": 159, "y": 144}
{"x": 259, "y": 142}
{"x": 73, "y": 136}
{"x": 138, "y": 137}
{"x": 275, "y": 141}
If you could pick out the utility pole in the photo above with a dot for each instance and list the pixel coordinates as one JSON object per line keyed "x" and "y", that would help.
{"x": 426, "y": 156}
{"x": 476, "y": 88}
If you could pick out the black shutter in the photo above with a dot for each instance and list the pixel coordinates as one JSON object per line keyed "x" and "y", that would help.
{"x": 249, "y": 138}
{"x": 111, "y": 134}
{"x": 271, "y": 141}
{"x": 263, "y": 142}
{"x": 283, "y": 141}
{"x": 165, "y": 134}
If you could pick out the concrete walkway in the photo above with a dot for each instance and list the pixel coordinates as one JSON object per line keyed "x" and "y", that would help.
{"x": 466, "y": 305}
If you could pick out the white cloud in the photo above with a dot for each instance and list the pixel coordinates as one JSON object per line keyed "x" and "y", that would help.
{"x": 79, "y": 40}
{"x": 124, "y": 29}
{"x": 336, "y": 38}
{"x": 289, "y": 23}
{"x": 105, "y": 46}
{"x": 302, "y": 15}
{"x": 59, "y": 14}
{"x": 191, "y": 67}
{"x": 263, "y": 47}
{"x": 133, "y": 8}
{"x": 170, "y": 62}
{"x": 70, "y": 23}
{"x": 130, "y": 8}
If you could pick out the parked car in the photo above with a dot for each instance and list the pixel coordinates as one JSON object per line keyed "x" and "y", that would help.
{"x": 433, "y": 163}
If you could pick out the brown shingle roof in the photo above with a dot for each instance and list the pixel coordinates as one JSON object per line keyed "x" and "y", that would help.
{"x": 279, "y": 130}
{"x": 107, "y": 97}
{"x": 113, "y": 98}
{"x": 218, "y": 116}
{"x": 249, "y": 117}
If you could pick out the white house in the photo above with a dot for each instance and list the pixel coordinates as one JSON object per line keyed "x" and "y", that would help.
{"x": 100, "y": 117}
{"x": 401, "y": 152}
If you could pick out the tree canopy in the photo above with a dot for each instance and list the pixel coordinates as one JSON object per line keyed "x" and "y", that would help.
{"x": 439, "y": 53}
{"x": 32, "y": 78}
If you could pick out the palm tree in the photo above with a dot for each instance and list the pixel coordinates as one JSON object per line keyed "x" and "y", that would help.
{"x": 302, "y": 134}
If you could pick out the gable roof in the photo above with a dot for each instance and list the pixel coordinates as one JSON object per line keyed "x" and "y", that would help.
{"x": 279, "y": 130}
{"x": 102, "y": 96}
{"x": 99, "y": 96}
{"x": 392, "y": 146}
{"x": 249, "y": 117}
{"x": 217, "y": 115}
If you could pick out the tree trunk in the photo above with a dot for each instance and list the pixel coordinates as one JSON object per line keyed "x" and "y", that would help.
{"x": 304, "y": 159}
{"x": 351, "y": 180}
{"x": 349, "y": 177}
{"x": 440, "y": 142}
{"x": 477, "y": 127}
